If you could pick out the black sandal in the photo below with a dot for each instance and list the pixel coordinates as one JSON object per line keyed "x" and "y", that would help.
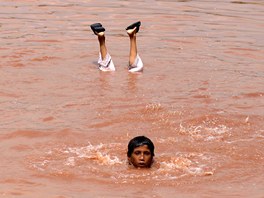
{"x": 132, "y": 26}
{"x": 97, "y": 28}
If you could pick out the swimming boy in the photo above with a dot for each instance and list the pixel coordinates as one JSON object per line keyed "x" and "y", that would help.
{"x": 105, "y": 61}
{"x": 140, "y": 152}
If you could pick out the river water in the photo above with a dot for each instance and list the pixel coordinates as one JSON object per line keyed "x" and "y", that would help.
{"x": 64, "y": 125}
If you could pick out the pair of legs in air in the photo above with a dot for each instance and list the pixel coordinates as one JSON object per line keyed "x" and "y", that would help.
{"x": 105, "y": 61}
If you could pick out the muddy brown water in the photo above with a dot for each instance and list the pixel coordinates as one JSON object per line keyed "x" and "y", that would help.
{"x": 65, "y": 125}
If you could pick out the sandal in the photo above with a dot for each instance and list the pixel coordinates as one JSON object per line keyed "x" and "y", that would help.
{"x": 97, "y": 28}
{"x": 132, "y": 26}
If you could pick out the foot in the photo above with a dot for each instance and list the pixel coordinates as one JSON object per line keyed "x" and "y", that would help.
{"x": 132, "y": 32}
{"x": 98, "y": 29}
{"x": 133, "y": 28}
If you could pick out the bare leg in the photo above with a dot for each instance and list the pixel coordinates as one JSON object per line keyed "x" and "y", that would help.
{"x": 133, "y": 45}
{"x": 103, "y": 49}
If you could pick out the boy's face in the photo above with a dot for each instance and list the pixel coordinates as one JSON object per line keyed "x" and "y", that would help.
{"x": 141, "y": 157}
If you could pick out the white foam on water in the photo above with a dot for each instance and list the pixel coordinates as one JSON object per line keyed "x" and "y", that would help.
{"x": 70, "y": 161}
{"x": 105, "y": 159}
{"x": 98, "y": 160}
{"x": 206, "y": 133}
{"x": 177, "y": 163}
{"x": 170, "y": 168}
{"x": 97, "y": 153}
{"x": 195, "y": 164}
{"x": 41, "y": 166}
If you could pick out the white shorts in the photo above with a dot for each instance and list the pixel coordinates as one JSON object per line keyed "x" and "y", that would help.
{"x": 137, "y": 66}
{"x": 108, "y": 65}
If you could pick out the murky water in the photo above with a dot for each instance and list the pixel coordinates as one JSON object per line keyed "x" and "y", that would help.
{"x": 65, "y": 125}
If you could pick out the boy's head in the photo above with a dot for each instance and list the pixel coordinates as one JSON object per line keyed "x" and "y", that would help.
{"x": 140, "y": 152}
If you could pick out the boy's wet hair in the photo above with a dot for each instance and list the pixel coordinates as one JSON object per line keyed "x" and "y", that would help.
{"x": 139, "y": 141}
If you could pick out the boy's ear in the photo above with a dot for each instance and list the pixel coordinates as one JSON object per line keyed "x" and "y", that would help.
{"x": 129, "y": 160}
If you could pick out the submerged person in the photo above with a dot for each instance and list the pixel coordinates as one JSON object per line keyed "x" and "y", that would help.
{"x": 140, "y": 152}
{"x": 105, "y": 61}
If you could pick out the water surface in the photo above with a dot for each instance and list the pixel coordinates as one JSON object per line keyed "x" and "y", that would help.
{"x": 65, "y": 125}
